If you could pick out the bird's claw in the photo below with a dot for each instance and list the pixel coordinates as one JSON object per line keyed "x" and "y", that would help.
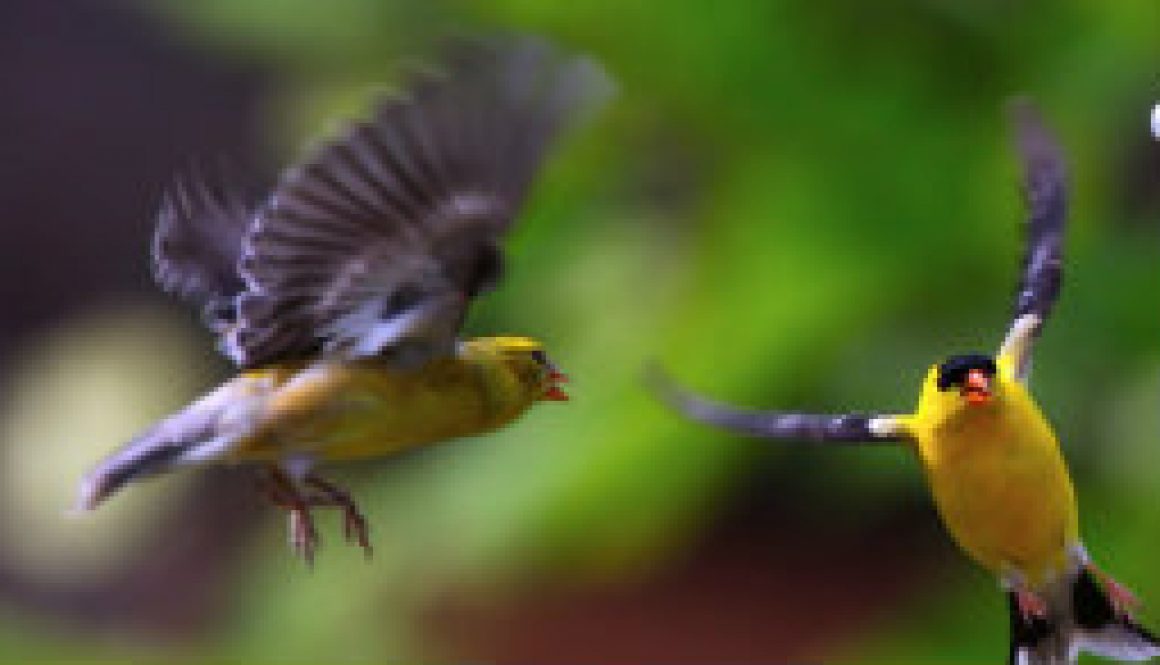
{"x": 354, "y": 525}
{"x": 304, "y": 539}
{"x": 1031, "y": 606}
{"x": 284, "y": 493}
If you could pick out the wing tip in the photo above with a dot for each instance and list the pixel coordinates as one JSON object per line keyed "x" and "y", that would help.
{"x": 197, "y": 229}
{"x": 1034, "y": 140}
{"x": 662, "y": 384}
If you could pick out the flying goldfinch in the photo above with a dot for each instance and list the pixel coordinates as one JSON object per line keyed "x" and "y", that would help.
{"x": 340, "y": 297}
{"x": 991, "y": 459}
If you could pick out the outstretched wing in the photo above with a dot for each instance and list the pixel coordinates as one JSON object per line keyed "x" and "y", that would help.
{"x": 196, "y": 247}
{"x": 1045, "y": 190}
{"x": 813, "y": 427}
{"x": 378, "y": 240}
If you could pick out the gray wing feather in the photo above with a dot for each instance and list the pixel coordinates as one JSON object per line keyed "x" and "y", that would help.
{"x": 196, "y": 246}
{"x": 784, "y": 425}
{"x": 1045, "y": 191}
{"x": 402, "y": 214}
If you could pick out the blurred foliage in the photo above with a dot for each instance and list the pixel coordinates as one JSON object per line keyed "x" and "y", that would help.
{"x": 797, "y": 204}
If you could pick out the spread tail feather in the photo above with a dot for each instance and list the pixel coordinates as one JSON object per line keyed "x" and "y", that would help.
{"x": 1081, "y": 617}
{"x": 149, "y": 454}
{"x": 191, "y": 436}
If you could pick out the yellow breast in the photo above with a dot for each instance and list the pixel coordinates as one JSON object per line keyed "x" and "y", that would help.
{"x": 337, "y": 411}
{"x": 999, "y": 481}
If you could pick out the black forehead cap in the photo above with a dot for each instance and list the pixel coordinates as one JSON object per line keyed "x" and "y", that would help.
{"x": 954, "y": 370}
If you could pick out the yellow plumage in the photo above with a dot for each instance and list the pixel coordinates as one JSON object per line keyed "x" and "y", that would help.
{"x": 999, "y": 481}
{"x": 334, "y": 411}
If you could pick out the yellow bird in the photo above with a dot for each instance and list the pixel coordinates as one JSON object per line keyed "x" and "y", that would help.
{"x": 992, "y": 460}
{"x": 340, "y": 297}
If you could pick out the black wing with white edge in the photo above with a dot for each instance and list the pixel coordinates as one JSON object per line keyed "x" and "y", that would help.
{"x": 1045, "y": 192}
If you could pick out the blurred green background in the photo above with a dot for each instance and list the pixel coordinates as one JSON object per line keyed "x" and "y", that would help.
{"x": 789, "y": 204}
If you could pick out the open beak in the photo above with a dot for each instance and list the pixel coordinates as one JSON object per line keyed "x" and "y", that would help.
{"x": 977, "y": 387}
{"x": 555, "y": 393}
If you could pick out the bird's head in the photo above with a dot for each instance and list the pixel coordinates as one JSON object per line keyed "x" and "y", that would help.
{"x": 971, "y": 377}
{"x": 963, "y": 384}
{"x": 528, "y": 361}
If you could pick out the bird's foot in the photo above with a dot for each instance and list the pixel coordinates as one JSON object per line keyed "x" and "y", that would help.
{"x": 1122, "y": 598}
{"x": 354, "y": 525}
{"x": 280, "y": 491}
{"x": 1031, "y": 606}
{"x": 304, "y": 538}
{"x": 299, "y": 497}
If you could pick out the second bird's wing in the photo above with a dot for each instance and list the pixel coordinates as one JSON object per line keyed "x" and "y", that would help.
{"x": 376, "y": 243}
{"x": 1045, "y": 191}
{"x": 196, "y": 247}
{"x": 786, "y": 425}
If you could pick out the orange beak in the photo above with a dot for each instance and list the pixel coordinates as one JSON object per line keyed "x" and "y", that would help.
{"x": 555, "y": 393}
{"x": 977, "y": 387}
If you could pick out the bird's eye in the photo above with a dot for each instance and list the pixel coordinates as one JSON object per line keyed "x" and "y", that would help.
{"x": 540, "y": 357}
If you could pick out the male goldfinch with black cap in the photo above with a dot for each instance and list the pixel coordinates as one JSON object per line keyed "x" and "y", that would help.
{"x": 991, "y": 459}
{"x": 340, "y": 297}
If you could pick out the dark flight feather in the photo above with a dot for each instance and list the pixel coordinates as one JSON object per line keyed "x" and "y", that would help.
{"x": 783, "y": 425}
{"x": 412, "y": 201}
{"x": 1045, "y": 192}
{"x": 197, "y": 244}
